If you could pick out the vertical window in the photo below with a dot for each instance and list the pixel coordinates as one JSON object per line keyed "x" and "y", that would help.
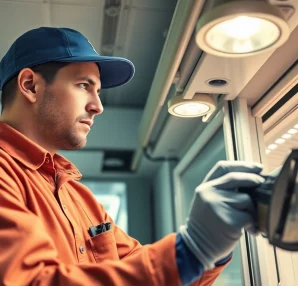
{"x": 112, "y": 195}
{"x": 280, "y": 137}
{"x": 190, "y": 172}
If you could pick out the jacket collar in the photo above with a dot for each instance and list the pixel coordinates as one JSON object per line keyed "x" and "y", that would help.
{"x": 30, "y": 154}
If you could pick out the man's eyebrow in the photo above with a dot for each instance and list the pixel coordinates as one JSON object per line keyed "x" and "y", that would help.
{"x": 89, "y": 80}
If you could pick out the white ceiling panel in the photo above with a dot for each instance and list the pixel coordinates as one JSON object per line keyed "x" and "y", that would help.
{"x": 236, "y": 71}
{"x": 280, "y": 61}
{"x": 17, "y": 18}
{"x": 86, "y": 19}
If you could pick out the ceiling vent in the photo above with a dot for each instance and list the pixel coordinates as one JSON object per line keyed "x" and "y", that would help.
{"x": 117, "y": 161}
{"x": 110, "y": 25}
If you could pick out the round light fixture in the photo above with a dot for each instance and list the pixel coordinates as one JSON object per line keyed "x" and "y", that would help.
{"x": 199, "y": 105}
{"x": 241, "y": 28}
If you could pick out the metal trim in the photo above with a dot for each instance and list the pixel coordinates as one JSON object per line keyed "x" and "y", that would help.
{"x": 250, "y": 147}
{"x": 231, "y": 130}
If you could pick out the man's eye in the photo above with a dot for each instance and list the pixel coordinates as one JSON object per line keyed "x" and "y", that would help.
{"x": 83, "y": 85}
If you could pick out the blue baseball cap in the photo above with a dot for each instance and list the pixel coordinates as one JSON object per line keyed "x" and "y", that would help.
{"x": 47, "y": 44}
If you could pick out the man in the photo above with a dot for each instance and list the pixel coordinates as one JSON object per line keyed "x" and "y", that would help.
{"x": 50, "y": 81}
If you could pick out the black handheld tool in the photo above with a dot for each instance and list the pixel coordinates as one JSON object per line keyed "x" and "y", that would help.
{"x": 276, "y": 201}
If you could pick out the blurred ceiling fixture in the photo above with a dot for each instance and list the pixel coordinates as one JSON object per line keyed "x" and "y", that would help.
{"x": 113, "y": 10}
{"x": 201, "y": 104}
{"x": 241, "y": 28}
{"x": 282, "y": 139}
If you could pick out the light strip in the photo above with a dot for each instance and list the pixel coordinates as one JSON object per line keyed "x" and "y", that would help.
{"x": 200, "y": 104}
{"x": 282, "y": 139}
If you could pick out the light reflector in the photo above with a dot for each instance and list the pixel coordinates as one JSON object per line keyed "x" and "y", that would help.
{"x": 191, "y": 108}
{"x": 242, "y": 34}
{"x": 240, "y": 28}
{"x": 199, "y": 105}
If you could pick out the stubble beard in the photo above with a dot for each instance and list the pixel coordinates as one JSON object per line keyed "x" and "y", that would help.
{"x": 52, "y": 127}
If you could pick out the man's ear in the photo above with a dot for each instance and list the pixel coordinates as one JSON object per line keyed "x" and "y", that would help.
{"x": 30, "y": 84}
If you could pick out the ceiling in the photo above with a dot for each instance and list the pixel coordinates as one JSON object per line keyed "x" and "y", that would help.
{"x": 250, "y": 77}
{"x": 142, "y": 31}
{"x": 134, "y": 29}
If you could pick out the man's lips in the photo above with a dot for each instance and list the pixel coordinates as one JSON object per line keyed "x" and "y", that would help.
{"x": 88, "y": 122}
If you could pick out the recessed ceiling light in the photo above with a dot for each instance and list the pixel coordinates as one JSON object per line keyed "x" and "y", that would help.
{"x": 241, "y": 28}
{"x": 293, "y": 131}
{"x": 199, "y": 105}
{"x": 280, "y": 141}
{"x": 286, "y": 136}
{"x": 272, "y": 146}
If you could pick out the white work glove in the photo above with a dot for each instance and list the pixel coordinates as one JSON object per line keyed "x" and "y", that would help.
{"x": 218, "y": 212}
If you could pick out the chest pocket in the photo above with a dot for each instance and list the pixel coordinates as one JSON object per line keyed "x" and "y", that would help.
{"x": 104, "y": 246}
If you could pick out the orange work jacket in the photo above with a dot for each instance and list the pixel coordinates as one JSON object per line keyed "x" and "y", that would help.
{"x": 45, "y": 214}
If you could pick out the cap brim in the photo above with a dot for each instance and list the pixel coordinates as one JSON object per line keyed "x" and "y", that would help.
{"x": 114, "y": 71}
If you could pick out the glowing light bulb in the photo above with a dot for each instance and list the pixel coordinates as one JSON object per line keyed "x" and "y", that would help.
{"x": 191, "y": 109}
{"x": 272, "y": 146}
{"x": 242, "y": 34}
{"x": 280, "y": 141}
{"x": 293, "y": 131}
{"x": 286, "y": 136}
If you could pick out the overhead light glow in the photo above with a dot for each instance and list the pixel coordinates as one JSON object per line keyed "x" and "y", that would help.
{"x": 280, "y": 141}
{"x": 293, "y": 131}
{"x": 242, "y": 35}
{"x": 240, "y": 28}
{"x": 272, "y": 146}
{"x": 199, "y": 105}
{"x": 245, "y": 27}
{"x": 286, "y": 136}
{"x": 191, "y": 109}
{"x": 283, "y": 139}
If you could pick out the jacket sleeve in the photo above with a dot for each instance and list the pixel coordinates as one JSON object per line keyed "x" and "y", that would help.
{"x": 208, "y": 277}
{"x": 191, "y": 270}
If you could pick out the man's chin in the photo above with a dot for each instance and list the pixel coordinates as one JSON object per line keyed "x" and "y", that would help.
{"x": 75, "y": 145}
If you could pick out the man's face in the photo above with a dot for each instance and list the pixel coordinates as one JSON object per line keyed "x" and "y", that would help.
{"x": 68, "y": 106}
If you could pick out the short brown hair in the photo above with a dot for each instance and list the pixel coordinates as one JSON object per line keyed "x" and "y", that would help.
{"x": 48, "y": 71}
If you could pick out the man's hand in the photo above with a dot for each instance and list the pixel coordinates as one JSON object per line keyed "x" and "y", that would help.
{"x": 218, "y": 212}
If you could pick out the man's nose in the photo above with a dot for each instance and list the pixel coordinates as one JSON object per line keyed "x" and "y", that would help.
{"x": 95, "y": 106}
